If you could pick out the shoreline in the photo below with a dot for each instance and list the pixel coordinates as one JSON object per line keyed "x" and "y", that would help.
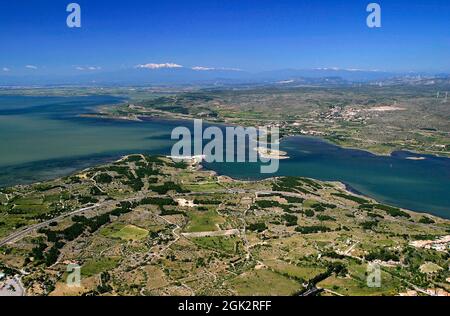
{"x": 200, "y": 167}
{"x": 351, "y": 189}
{"x": 88, "y": 159}
{"x": 439, "y": 236}
{"x": 168, "y": 116}
{"x": 271, "y": 153}
{"x": 92, "y": 161}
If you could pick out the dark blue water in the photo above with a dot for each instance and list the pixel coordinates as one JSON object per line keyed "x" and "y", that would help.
{"x": 422, "y": 185}
{"x": 44, "y": 137}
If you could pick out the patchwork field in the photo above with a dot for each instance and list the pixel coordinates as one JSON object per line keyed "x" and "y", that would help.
{"x": 163, "y": 235}
{"x": 373, "y": 118}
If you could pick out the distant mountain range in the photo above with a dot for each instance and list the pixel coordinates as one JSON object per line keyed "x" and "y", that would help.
{"x": 189, "y": 76}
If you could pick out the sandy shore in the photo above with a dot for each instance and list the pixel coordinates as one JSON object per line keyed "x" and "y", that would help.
{"x": 271, "y": 153}
{"x": 416, "y": 158}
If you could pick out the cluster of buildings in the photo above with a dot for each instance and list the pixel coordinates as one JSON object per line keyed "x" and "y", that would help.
{"x": 346, "y": 114}
{"x": 431, "y": 292}
{"x": 442, "y": 244}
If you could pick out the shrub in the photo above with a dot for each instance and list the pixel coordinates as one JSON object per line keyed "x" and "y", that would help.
{"x": 369, "y": 225}
{"x": 165, "y": 212}
{"x": 374, "y": 215}
{"x": 257, "y": 227}
{"x": 166, "y": 187}
{"x": 103, "y": 178}
{"x": 207, "y": 202}
{"x": 395, "y": 212}
{"x": 426, "y": 220}
{"x": 382, "y": 254}
{"x": 290, "y": 220}
{"x": 157, "y": 201}
{"x": 267, "y": 203}
{"x": 312, "y": 229}
{"x": 293, "y": 199}
{"x": 351, "y": 198}
{"x": 325, "y": 218}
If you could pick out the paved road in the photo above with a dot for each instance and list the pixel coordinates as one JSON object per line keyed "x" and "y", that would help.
{"x": 18, "y": 235}
{"x": 312, "y": 291}
{"x": 216, "y": 233}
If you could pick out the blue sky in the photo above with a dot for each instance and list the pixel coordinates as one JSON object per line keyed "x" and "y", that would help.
{"x": 253, "y": 35}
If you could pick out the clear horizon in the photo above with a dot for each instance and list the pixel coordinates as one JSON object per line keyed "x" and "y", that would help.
{"x": 253, "y": 36}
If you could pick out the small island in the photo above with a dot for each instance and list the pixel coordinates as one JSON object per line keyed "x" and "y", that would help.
{"x": 268, "y": 153}
{"x": 136, "y": 225}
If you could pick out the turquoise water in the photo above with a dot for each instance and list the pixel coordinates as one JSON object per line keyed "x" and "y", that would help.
{"x": 43, "y": 137}
{"x": 421, "y": 185}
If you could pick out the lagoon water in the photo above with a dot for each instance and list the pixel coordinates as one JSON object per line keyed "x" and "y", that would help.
{"x": 43, "y": 138}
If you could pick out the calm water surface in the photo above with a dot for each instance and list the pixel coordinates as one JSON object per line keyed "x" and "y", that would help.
{"x": 43, "y": 137}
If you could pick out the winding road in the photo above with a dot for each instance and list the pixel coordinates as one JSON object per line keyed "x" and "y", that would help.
{"x": 15, "y": 236}
{"x": 20, "y": 234}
